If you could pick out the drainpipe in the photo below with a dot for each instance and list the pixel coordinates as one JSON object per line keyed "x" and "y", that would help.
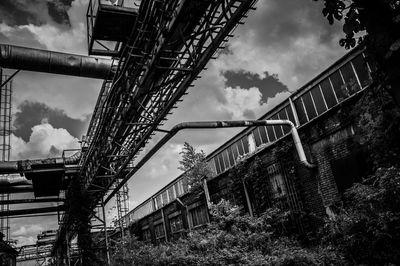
{"x": 215, "y": 124}
{"x": 23, "y": 58}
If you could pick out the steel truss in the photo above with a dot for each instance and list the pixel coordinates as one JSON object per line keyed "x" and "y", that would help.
{"x": 170, "y": 44}
{"x": 5, "y": 146}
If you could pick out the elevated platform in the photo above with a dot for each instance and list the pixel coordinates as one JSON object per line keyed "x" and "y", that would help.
{"x": 109, "y": 26}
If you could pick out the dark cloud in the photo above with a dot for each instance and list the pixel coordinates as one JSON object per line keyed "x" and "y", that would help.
{"x": 33, "y": 113}
{"x": 36, "y": 12}
{"x": 268, "y": 86}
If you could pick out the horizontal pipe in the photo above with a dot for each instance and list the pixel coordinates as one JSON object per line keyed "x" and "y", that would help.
{"x": 214, "y": 124}
{"x": 16, "y": 57}
{"x": 23, "y": 166}
{"x": 31, "y": 211}
{"x": 16, "y": 189}
{"x": 11, "y": 181}
{"x": 24, "y": 201}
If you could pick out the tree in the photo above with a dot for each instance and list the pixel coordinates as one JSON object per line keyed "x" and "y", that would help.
{"x": 194, "y": 166}
{"x": 375, "y": 24}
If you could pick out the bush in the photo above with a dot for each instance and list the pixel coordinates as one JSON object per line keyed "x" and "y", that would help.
{"x": 230, "y": 239}
{"x": 367, "y": 228}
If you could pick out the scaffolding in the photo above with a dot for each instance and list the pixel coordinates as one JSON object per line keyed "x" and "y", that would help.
{"x": 5, "y": 146}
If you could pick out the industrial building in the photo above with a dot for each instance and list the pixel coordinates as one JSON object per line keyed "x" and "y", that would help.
{"x": 320, "y": 110}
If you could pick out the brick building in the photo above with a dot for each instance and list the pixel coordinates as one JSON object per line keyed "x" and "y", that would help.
{"x": 320, "y": 110}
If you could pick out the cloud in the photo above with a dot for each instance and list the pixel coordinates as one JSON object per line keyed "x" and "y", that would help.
{"x": 45, "y": 141}
{"x": 23, "y": 230}
{"x": 30, "y": 114}
{"x": 36, "y": 12}
{"x": 288, "y": 38}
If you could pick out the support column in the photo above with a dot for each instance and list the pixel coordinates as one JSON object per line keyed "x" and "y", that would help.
{"x": 105, "y": 232}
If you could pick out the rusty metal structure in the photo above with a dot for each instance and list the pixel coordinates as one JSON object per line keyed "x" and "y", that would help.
{"x": 158, "y": 49}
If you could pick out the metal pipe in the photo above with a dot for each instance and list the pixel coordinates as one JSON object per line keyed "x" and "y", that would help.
{"x": 32, "y": 211}
{"x": 16, "y": 189}
{"x": 16, "y": 57}
{"x": 24, "y": 201}
{"x": 22, "y": 166}
{"x": 215, "y": 124}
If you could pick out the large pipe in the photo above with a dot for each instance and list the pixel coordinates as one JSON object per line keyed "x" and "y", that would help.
{"x": 215, "y": 124}
{"x": 40, "y": 165}
{"x": 16, "y": 57}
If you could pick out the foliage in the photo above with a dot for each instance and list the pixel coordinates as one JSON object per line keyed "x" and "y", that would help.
{"x": 367, "y": 228}
{"x": 375, "y": 24}
{"x": 379, "y": 119}
{"x": 231, "y": 239}
{"x": 194, "y": 166}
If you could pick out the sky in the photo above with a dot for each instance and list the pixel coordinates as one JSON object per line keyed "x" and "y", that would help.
{"x": 283, "y": 44}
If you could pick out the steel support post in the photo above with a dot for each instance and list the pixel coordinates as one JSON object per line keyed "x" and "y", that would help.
{"x": 105, "y": 232}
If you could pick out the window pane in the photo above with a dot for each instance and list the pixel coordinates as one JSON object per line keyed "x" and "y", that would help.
{"x": 350, "y": 79}
{"x": 245, "y": 142}
{"x": 278, "y": 129}
{"x": 271, "y": 133}
{"x": 230, "y": 155}
{"x": 171, "y": 194}
{"x": 235, "y": 151}
{"x": 263, "y": 134}
{"x": 217, "y": 165}
{"x": 165, "y": 197}
{"x": 318, "y": 100}
{"x": 221, "y": 162}
{"x": 257, "y": 137}
{"x": 300, "y": 111}
{"x": 362, "y": 70}
{"x": 282, "y": 115}
{"x": 327, "y": 90}
{"x": 226, "y": 159}
{"x": 338, "y": 86}
{"x": 290, "y": 114}
{"x": 308, "y": 104}
{"x": 240, "y": 147}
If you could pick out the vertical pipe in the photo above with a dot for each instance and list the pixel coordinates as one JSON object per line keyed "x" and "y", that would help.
{"x": 105, "y": 231}
{"x": 246, "y": 193}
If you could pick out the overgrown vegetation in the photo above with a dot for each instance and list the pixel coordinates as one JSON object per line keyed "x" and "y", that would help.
{"x": 230, "y": 239}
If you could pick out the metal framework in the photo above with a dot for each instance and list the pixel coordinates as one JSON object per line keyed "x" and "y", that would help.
{"x": 170, "y": 44}
{"x": 5, "y": 147}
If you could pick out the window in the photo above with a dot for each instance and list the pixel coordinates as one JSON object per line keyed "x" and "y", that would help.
{"x": 327, "y": 89}
{"x": 221, "y": 162}
{"x": 179, "y": 188}
{"x": 301, "y": 113}
{"x": 245, "y": 143}
{"x": 263, "y": 134}
{"x": 171, "y": 193}
{"x": 277, "y": 129}
{"x": 257, "y": 137}
{"x": 176, "y": 224}
{"x": 308, "y": 104}
{"x": 350, "y": 79}
{"x": 235, "y": 151}
{"x": 198, "y": 215}
{"x": 240, "y": 147}
{"x": 289, "y": 112}
{"x": 159, "y": 230}
{"x": 217, "y": 166}
{"x": 165, "y": 198}
{"x": 277, "y": 185}
{"x": 271, "y": 133}
{"x": 159, "y": 202}
{"x": 251, "y": 143}
{"x": 230, "y": 155}
{"x": 318, "y": 99}
{"x": 146, "y": 234}
{"x": 362, "y": 70}
{"x": 226, "y": 159}
{"x": 282, "y": 115}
